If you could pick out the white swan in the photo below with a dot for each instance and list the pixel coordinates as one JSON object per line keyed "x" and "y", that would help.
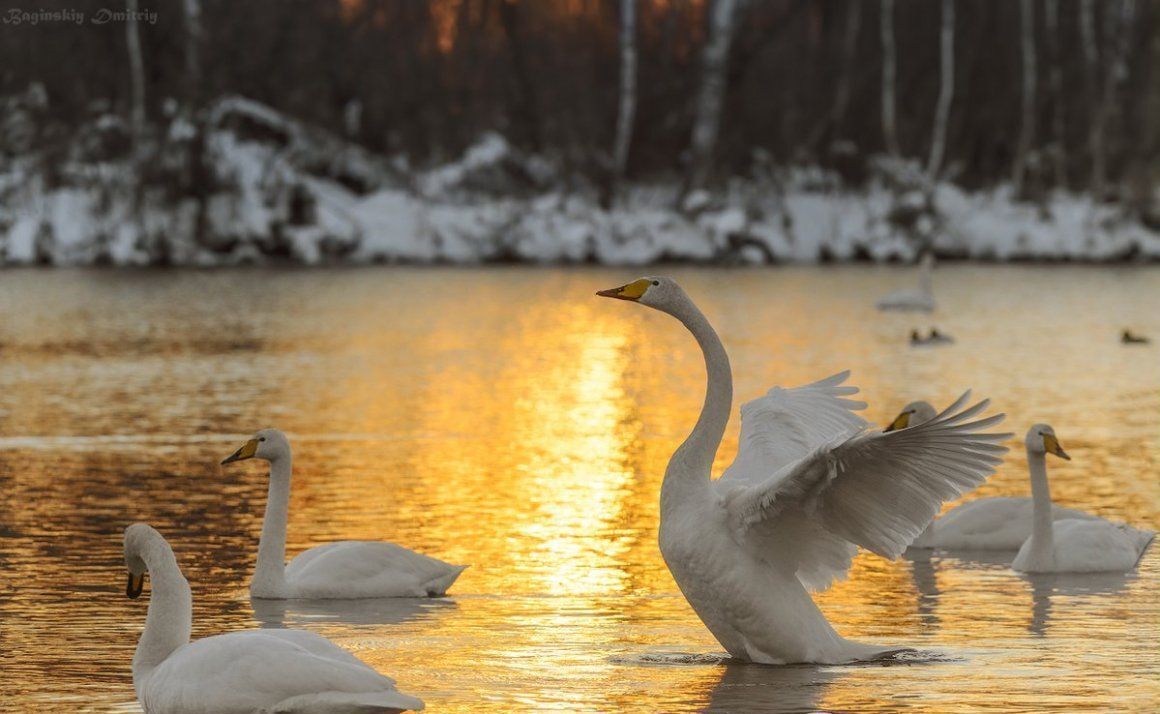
{"x": 252, "y": 671}
{"x": 997, "y": 523}
{"x": 920, "y": 298}
{"x": 1090, "y": 545}
{"x": 808, "y": 485}
{"x": 347, "y": 569}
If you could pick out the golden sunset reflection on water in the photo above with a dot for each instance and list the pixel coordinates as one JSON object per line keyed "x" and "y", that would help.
{"x": 509, "y": 419}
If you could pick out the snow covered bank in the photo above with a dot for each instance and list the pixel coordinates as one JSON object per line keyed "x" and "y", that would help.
{"x": 274, "y": 190}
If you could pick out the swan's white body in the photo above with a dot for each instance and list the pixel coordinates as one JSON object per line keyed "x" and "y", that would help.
{"x": 919, "y": 299}
{"x": 809, "y": 484}
{"x": 1088, "y": 545}
{"x": 346, "y": 569}
{"x": 999, "y": 523}
{"x": 282, "y": 671}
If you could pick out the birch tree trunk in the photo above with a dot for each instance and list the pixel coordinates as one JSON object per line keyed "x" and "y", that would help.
{"x": 1117, "y": 30}
{"x": 1027, "y": 123}
{"x": 707, "y": 118}
{"x": 1055, "y": 87}
{"x": 626, "y": 112}
{"x": 193, "y": 37}
{"x": 946, "y": 89}
{"x": 886, "y": 23}
{"x": 849, "y": 48}
{"x": 136, "y": 77}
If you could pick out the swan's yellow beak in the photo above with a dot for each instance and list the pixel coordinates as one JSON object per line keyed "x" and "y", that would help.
{"x": 633, "y": 291}
{"x": 900, "y": 422}
{"x": 135, "y": 585}
{"x": 1051, "y": 446}
{"x": 246, "y": 452}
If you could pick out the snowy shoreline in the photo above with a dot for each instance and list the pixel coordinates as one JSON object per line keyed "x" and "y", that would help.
{"x": 281, "y": 192}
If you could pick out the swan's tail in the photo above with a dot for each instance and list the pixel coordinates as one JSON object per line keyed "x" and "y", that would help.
{"x": 438, "y": 586}
{"x": 383, "y": 702}
{"x": 1143, "y": 539}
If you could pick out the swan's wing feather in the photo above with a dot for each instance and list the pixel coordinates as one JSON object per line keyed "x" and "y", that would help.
{"x": 879, "y": 490}
{"x": 254, "y": 670}
{"x": 319, "y": 646}
{"x": 787, "y": 424}
{"x": 346, "y": 703}
{"x": 368, "y": 569}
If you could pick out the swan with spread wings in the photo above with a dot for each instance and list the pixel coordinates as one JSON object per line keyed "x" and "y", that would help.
{"x": 809, "y": 485}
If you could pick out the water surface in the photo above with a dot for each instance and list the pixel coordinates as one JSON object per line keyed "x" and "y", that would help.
{"x": 508, "y": 419}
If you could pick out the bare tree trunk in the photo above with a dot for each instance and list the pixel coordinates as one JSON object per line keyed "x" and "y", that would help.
{"x": 192, "y": 51}
{"x": 946, "y": 89}
{"x": 526, "y": 111}
{"x": 627, "y": 108}
{"x": 849, "y": 48}
{"x": 1143, "y": 169}
{"x": 1027, "y": 123}
{"x": 1117, "y": 30}
{"x": 1087, "y": 28}
{"x": 136, "y": 76}
{"x": 886, "y": 22}
{"x": 707, "y": 119}
{"x": 1055, "y": 86}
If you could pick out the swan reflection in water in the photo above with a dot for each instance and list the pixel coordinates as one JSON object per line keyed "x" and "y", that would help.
{"x": 370, "y": 611}
{"x": 925, "y": 565}
{"x": 1046, "y": 585}
{"x": 746, "y": 687}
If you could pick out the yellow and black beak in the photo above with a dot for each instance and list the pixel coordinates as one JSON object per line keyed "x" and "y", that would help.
{"x": 1051, "y": 446}
{"x": 135, "y": 585}
{"x": 633, "y": 291}
{"x": 900, "y": 422}
{"x": 246, "y": 452}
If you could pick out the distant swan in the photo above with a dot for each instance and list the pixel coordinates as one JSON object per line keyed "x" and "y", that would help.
{"x": 1000, "y": 523}
{"x": 920, "y": 298}
{"x": 1071, "y": 545}
{"x": 1130, "y": 339}
{"x": 346, "y": 569}
{"x": 809, "y": 484}
{"x": 283, "y": 671}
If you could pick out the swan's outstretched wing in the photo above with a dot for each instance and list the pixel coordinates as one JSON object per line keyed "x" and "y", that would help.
{"x": 787, "y": 424}
{"x": 877, "y": 490}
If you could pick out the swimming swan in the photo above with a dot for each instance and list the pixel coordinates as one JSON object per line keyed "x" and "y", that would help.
{"x": 347, "y": 569}
{"x": 808, "y": 485}
{"x": 920, "y": 298}
{"x": 274, "y": 671}
{"x": 1090, "y": 545}
{"x": 997, "y": 523}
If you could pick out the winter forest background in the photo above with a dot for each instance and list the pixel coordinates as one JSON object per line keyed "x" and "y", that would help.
{"x": 207, "y": 132}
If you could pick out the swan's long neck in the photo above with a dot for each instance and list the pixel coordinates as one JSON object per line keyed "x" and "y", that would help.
{"x": 692, "y": 462}
{"x": 170, "y": 618}
{"x": 1042, "y": 536}
{"x": 270, "y": 570}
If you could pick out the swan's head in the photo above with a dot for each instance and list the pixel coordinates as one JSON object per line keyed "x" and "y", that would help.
{"x": 1041, "y": 439}
{"x": 138, "y": 538}
{"x": 659, "y": 293}
{"x": 267, "y": 444}
{"x": 912, "y": 414}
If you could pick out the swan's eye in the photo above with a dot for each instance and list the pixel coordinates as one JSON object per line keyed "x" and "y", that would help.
{"x": 656, "y": 282}
{"x": 261, "y": 438}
